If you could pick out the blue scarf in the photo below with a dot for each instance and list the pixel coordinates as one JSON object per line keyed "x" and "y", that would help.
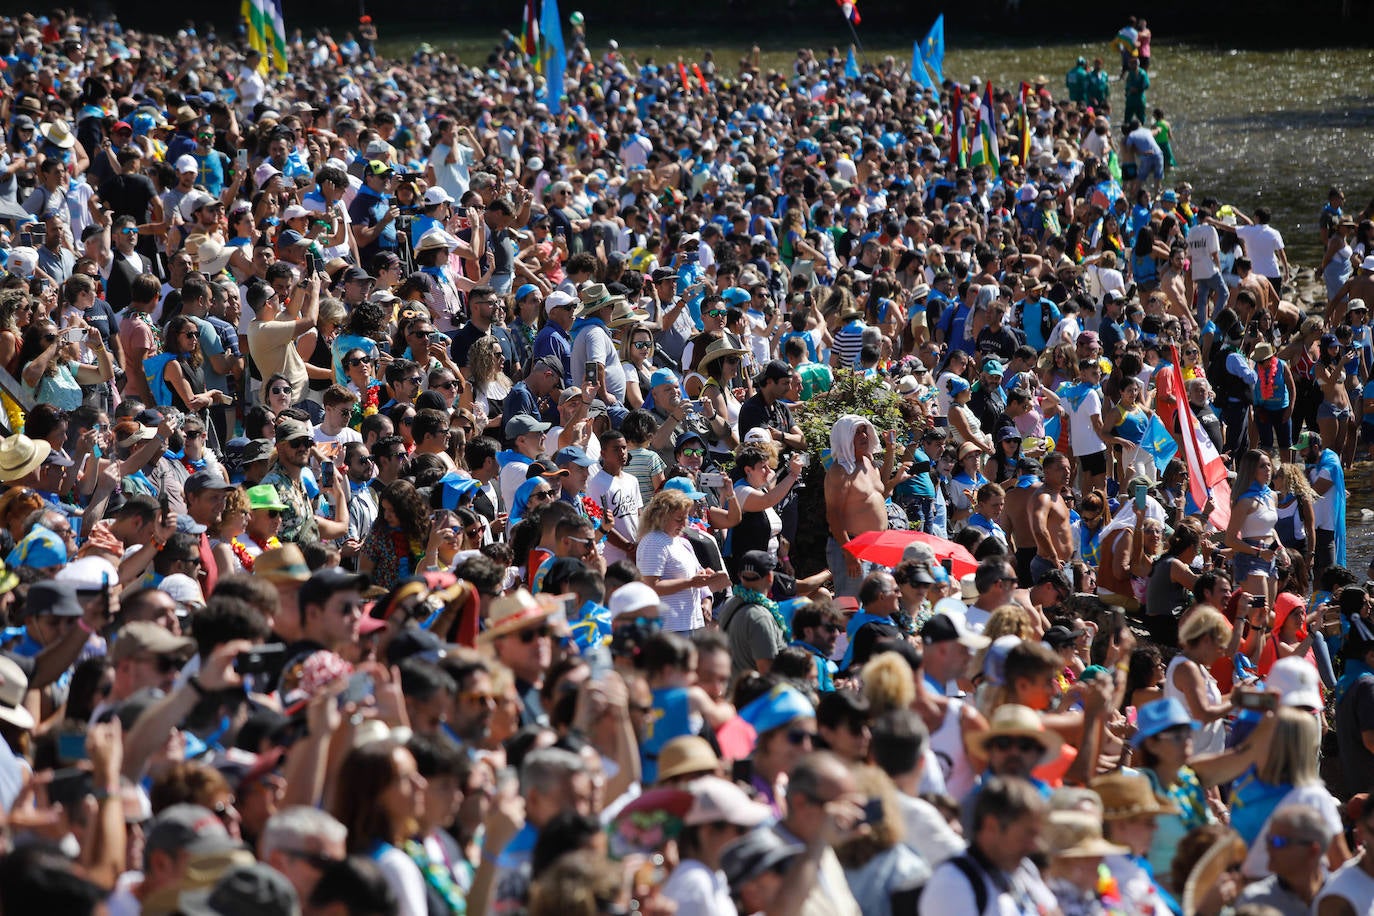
{"x": 506, "y": 456}
{"x": 1331, "y": 463}
{"x": 1355, "y": 669}
{"x": 1074, "y": 394}
{"x": 1258, "y": 491}
{"x": 582, "y": 324}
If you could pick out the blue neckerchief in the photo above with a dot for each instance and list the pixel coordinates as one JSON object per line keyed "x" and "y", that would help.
{"x": 582, "y": 324}
{"x": 1355, "y": 670}
{"x": 825, "y": 668}
{"x": 1075, "y": 393}
{"x": 1331, "y": 463}
{"x": 506, "y": 456}
{"x": 1258, "y": 491}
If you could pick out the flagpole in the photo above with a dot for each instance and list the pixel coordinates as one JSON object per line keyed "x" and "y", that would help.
{"x": 857, "y": 43}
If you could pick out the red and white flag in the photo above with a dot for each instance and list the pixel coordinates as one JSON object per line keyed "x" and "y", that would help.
{"x": 1206, "y": 470}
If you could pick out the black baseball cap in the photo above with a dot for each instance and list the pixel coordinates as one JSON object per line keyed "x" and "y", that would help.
{"x": 324, "y": 584}
{"x": 756, "y": 564}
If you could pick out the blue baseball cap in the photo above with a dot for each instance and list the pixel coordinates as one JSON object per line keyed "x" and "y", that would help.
{"x": 736, "y": 296}
{"x": 573, "y": 454}
{"x": 778, "y": 707}
{"x": 525, "y": 290}
{"x": 663, "y": 377}
{"x": 684, "y": 485}
{"x": 1159, "y": 716}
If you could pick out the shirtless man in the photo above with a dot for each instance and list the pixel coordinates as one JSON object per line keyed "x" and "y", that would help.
{"x": 1016, "y": 517}
{"x": 1050, "y": 520}
{"x": 855, "y": 497}
{"x": 1359, "y": 286}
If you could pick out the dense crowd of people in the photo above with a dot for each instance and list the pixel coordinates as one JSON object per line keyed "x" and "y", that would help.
{"x": 404, "y": 507}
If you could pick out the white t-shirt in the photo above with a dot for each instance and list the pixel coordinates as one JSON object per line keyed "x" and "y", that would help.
{"x": 343, "y": 436}
{"x": 1086, "y": 441}
{"x": 1263, "y": 243}
{"x": 406, "y": 882}
{"x": 666, "y": 557}
{"x": 1324, "y": 506}
{"x": 620, "y": 499}
{"x": 927, "y": 831}
{"x": 453, "y": 177}
{"x": 698, "y": 891}
{"x": 949, "y": 891}
{"x": 1202, "y": 245}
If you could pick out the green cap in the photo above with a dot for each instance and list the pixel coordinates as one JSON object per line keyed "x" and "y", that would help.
{"x": 264, "y": 496}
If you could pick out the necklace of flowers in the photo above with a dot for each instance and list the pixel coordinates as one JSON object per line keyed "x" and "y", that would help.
{"x": 246, "y": 559}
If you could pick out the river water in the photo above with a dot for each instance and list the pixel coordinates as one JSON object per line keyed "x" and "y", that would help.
{"x": 1251, "y": 128}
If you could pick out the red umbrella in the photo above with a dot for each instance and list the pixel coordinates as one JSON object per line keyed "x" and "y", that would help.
{"x": 885, "y": 549}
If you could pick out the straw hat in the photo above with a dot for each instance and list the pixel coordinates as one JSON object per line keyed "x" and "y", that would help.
{"x": 686, "y": 754}
{"x": 1126, "y": 796}
{"x": 58, "y": 134}
{"x": 593, "y": 298}
{"x": 1225, "y": 854}
{"x": 719, "y": 349}
{"x": 213, "y": 256}
{"x": 516, "y": 611}
{"x": 282, "y": 565}
{"x": 1078, "y": 835}
{"x": 21, "y": 456}
{"x": 13, "y": 685}
{"x": 1263, "y": 350}
{"x": 626, "y": 314}
{"x": 1012, "y": 720}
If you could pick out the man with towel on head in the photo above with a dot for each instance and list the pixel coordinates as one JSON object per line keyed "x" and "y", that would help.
{"x": 855, "y": 496}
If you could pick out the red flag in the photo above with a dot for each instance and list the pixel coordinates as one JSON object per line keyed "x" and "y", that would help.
{"x": 701, "y": 80}
{"x": 956, "y": 128}
{"x": 682, "y": 71}
{"x": 529, "y": 32}
{"x": 850, "y": 8}
{"x": 1206, "y": 470}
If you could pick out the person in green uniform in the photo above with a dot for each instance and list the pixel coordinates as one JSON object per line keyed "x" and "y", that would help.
{"x": 1076, "y": 80}
{"x": 1137, "y": 81}
{"x": 1099, "y": 84}
{"x": 1163, "y": 136}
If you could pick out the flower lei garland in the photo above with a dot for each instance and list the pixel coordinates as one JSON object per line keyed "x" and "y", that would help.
{"x": 592, "y": 509}
{"x": 368, "y": 405}
{"x": 246, "y": 559}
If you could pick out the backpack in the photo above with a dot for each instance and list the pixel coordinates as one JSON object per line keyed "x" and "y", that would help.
{"x": 974, "y": 873}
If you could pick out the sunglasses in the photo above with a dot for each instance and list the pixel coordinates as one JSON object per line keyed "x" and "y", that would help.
{"x": 279, "y": 390}
{"x": 1024, "y": 745}
{"x": 1284, "y": 842}
{"x": 644, "y": 345}
{"x": 473, "y": 532}
{"x": 300, "y": 442}
{"x": 362, "y": 361}
{"x": 414, "y": 380}
{"x": 799, "y": 736}
{"x": 694, "y": 452}
{"x": 717, "y": 313}
{"x": 128, "y": 230}
{"x": 529, "y": 636}
{"x": 194, "y": 434}
{"x": 273, "y": 513}
{"x": 450, "y": 386}
{"x": 477, "y": 696}
{"x": 541, "y": 495}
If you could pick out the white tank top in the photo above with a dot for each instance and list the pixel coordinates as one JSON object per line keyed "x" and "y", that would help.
{"x": 1211, "y": 738}
{"x": 948, "y": 744}
{"x": 1352, "y": 884}
{"x": 1260, "y": 523}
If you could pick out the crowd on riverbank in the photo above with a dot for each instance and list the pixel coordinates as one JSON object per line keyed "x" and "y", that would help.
{"x": 405, "y": 507}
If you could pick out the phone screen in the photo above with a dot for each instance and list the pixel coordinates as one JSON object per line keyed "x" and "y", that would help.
{"x": 1140, "y": 496}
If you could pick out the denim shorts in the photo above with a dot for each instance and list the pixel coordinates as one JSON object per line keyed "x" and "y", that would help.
{"x": 1248, "y": 564}
{"x": 1329, "y": 411}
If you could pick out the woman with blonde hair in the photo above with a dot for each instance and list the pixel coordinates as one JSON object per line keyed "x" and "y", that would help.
{"x": 1285, "y": 774}
{"x": 1204, "y": 636}
{"x": 233, "y": 522}
{"x": 669, "y": 564}
{"x": 1297, "y": 524}
{"x": 888, "y": 683}
{"x": 1007, "y": 620}
{"x": 884, "y": 872}
{"x": 490, "y": 384}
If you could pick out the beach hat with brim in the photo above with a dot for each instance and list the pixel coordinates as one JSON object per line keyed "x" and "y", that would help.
{"x": 1126, "y": 795}
{"x": 282, "y": 564}
{"x": 686, "y": 755}
{"x": 719, "y": 349}
{"x": 517, "y": 611}
{"x": 1225, "y": 854}
{"x": 626, "y": 314}
{"x": 58, "y": 134}
{"x": 21, "y": 456}
{"x": 1078, "y": 835}
{"x": 1014, "y": 721}
{"x": 593, "y": 297}
{"x": 13, "y": 685}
